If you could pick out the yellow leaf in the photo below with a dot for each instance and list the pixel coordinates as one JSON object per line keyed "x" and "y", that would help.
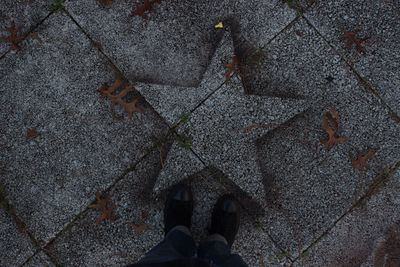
{"x": 219, "y": 25}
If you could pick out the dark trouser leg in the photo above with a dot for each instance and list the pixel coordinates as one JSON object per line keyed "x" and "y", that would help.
{"x": 177, "y": 244}
{"x": 215, "y": 250}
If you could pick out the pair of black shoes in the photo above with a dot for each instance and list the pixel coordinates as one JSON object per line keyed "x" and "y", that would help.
{"x": 179, "y": 208}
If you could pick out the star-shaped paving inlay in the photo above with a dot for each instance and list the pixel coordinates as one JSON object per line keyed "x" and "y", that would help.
{"x": 224, "y": 125}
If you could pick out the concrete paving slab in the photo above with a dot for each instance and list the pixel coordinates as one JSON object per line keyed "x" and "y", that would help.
{"x": 257, "y": 22}
{"x": 179, "y": 164}
{"x": 219, "y": 137}
{"x": 25, "y": 14}
{"x": 116, "y": 243}
{"x": 187, "y": 26}
{"x": 375, "y": 21}
{"x": 50, "y": 88}
{"x": 62, "y": 143}
{"x": 134, "y": 43}
{"x": 308, "y": 187}
{"x": 353, "y": 239}
{"x": 15, "y": 244}
{"x": 173, "y": 102}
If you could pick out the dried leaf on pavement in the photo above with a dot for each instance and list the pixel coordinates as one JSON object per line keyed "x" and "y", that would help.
{"x": 360, "y": 162}
{"x": 105, "y": 206}
{"x": 232, "y": 68}
{"x": 120, "y": 97}
{"x": 330, "y": 124}
{"x": 105, "y": 2}
{"x": 147, "y": 6}
{"x": 31, "y": 134}
{"x": 35, "y": 36}
{"x": 351, "y": 39}
{"x": 14, "y": 36}
{"x": 138, "y": 228}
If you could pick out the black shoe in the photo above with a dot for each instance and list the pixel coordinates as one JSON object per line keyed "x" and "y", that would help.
{"x": 225, "y": 218}
{"x": 178, "y": 207}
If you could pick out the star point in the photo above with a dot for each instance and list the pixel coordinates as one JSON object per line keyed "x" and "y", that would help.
{"x": 224, "y": 126}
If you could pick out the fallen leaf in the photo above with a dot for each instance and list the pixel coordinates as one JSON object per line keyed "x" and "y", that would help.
{"x": 219, "y": 25}
{"x": 31, "y": 134}
{"x": 299, "y": 33}
{"x": 98, "y": 45}
{"x": 335, "y": 116}
{"x": 108, "y": 91}
{"x": 14, "y": 37}
{"x": 105, "y": 206}
{"x": 35, "y": 36}
{"x": 145, "y": 7}
{"x": 351, "y": 39}
{"x": 138, "y": 228}
{"x": 105, "y": 2}
{"x": 360, "y": 162}
{"x": 119, "y": 98}
{"x": 330, "y": 124}
{"x": 132, "y": 107}
{"x": 232, "y": 68}
{"x": 333, "y": 139}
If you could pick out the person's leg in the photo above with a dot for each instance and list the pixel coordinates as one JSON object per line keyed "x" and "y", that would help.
{"x": 178, "y": 243}
{"x": 216, "y": 249}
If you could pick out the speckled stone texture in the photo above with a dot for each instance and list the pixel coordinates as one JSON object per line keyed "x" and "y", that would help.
{"x": 309, "y": 187}
{"x": 39, "y": 259}
{"x": 353, "y": 239}
{"x": 189, "y": 38}
{"x": 375, "y": 21}
{"x": 258, "y": 136}
{"x": 173, "y": 102}
{"x": 51, "y": 86}
{"x": 117, "y": 243}
{"x": 223, "y": 129}
{"x": 26, "y": 14}
{"x": 15, "y": 244}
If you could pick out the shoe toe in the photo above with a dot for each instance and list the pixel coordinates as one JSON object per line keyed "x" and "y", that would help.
{"x": 229, "y": 204}
{"x": 182, "y": 192}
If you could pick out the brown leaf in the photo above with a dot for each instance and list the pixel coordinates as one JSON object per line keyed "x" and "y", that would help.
{"x": 351, "y": 39}
{"x": 98, "y": 45}
{"x": 132, "y": 107}
{"x": 332, "y": 118}
{"x": 14, "y": 37}
{"x": 119, "y": 98}
{"x": 35, "y": 36}
{"x": 138, "y": 228}
{"x": 147, "y": 5}
{"x": 31, "y": 134}
{"x": 108, "y": 91}
{"x": 232, "y": 68}
{"x": 333, "y": 139}
{"x": 105, "y": 2}
{"x": 335, "y": 116}
{"x": 360, "y": 162}
{"x": 105, "y": 206}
